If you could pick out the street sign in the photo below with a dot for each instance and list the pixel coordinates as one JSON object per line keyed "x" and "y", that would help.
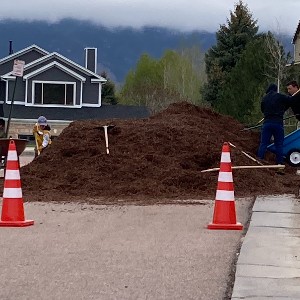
{"x": 18, "y": 68}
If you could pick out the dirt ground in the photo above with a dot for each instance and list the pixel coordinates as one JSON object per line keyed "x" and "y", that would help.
{"x": 153, "y": 160}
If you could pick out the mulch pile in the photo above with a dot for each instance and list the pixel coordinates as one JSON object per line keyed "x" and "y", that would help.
{"x": 151, "y": 160}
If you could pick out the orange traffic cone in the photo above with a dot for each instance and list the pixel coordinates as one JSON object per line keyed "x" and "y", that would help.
{"x": 12, "y": 206}
{"x": 224, "y": 210}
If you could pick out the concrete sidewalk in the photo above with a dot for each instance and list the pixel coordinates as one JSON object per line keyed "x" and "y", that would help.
{"x": 269, "y": 263}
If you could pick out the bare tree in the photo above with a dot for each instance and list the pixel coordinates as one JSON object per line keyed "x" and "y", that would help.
{"x": 278, "y": 57}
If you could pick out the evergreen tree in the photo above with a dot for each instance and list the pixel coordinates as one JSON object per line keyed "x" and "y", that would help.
{"x": 232, "y": 40}
{"x": 293, "y": 73}
{"x": 261, "y": 63}
{"x": 246, "y": 83}
{"x": 108, "y": 91}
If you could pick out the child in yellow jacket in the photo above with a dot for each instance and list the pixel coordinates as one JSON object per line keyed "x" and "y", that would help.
{"x": 41, "y": 132}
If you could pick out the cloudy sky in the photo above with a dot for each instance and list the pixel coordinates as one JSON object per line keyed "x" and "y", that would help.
{"x": 281, "y": 16}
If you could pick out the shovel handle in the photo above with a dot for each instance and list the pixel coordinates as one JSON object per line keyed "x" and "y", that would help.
{"x": 106, "y": 139}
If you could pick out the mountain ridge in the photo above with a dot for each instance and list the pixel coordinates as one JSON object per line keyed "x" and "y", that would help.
{"x": 118, "y": 49}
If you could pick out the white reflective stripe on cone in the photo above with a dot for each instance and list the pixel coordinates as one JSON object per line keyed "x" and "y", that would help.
{"x": 225, "y": 157}
{"x": 12, "y": 193}
{"x": 225, "y": 177}
{"x": 12, "y": 174}
{"x": 225, "y": 195}
{"x": 12, "y": 155}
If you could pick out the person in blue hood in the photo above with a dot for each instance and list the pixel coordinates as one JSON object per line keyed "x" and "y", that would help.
{"x": 273, "y": 107}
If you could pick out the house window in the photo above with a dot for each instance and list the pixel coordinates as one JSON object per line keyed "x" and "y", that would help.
{"x": 54, "y": 93}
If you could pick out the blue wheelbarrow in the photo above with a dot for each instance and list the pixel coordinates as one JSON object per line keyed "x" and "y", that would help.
{"x": 291, "y": 148}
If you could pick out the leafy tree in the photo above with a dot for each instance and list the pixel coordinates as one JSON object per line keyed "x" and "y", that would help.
{"x": 232, "y": 40}
{"x": 182, "y": 73}
{"x": 141, "y": 83}
{"x": 108, "y": 91}
{"x": 146, "y": 85}
{"x": 157, "y": 83}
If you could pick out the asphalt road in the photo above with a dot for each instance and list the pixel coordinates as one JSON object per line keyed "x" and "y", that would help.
{"x": 76, "y": 251}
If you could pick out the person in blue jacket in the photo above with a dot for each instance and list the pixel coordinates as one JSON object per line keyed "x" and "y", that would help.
{"x": 273, "y": 107}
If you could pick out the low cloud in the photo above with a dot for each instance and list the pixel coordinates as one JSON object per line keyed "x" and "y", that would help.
{"x": 184, "y": 15}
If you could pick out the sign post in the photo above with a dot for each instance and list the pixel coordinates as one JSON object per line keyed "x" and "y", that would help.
{"x": 18, "y": 69}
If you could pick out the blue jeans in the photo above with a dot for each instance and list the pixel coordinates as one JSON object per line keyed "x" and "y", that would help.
{"x": 276, "y": 130}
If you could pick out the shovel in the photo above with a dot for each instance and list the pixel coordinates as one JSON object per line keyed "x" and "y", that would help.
{"x": 246, "y": 154}
{"x": 106, "y": 127}
{"x": 260, "y": 125}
